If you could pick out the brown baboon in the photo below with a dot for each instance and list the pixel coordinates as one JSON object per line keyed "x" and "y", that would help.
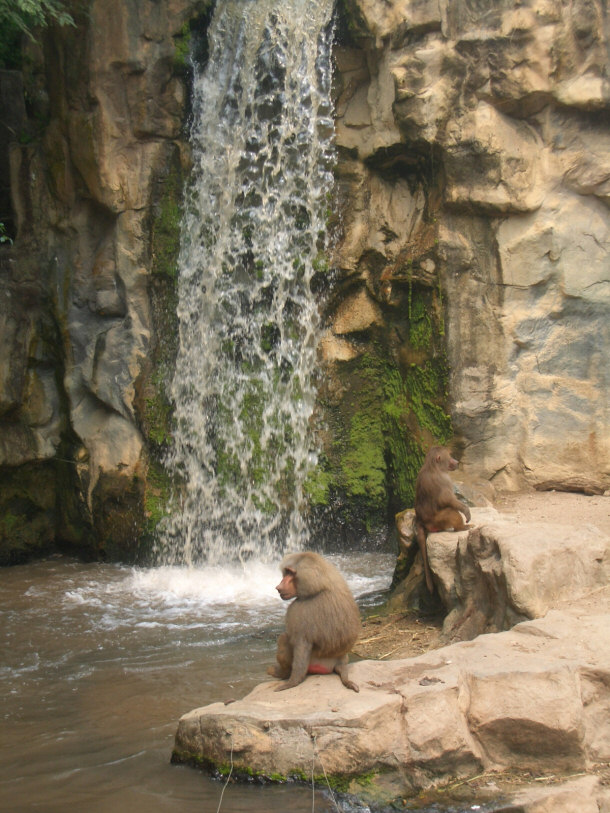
{"x": 322, "y": 623}
{"x": 436, "y": 506}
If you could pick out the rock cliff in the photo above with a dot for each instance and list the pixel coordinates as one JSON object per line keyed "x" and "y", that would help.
{"x": 475, "y": 168}
{"x": 96, "y": 171}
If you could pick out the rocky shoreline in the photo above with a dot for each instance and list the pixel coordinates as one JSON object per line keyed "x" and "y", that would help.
{"x": 520, "y": 717}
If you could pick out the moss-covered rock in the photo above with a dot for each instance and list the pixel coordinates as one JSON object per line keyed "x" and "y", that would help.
{"x": 381, "y": 410}
{"x": 27, "y": 512}
{"x": 153, "y": 403}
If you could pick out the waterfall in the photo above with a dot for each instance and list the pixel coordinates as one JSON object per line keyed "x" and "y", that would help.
{"x": 253, "y": 234}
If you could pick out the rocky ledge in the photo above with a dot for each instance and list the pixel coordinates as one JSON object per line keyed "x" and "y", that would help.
{"x": 534, "y": 698}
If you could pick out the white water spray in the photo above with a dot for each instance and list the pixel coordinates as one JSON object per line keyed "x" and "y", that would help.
{"x": 253, "y": 230}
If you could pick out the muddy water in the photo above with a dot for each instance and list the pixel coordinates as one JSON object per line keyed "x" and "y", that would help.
{"x": 99, "y": 662}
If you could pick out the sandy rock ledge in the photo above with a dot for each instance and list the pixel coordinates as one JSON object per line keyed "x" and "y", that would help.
{"x": 532, "y": 698}
{"x": 536, "y": 697}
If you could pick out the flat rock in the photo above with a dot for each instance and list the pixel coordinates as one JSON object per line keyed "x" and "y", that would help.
{"x": 535, "y": 697}
{"x": 585, "y": 794}
{"x": 531, "y": 698}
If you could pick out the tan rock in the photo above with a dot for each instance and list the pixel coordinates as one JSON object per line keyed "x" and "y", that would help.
{"x": 502, "y": 701}
{"x": 392, "y": 18}
{"x": 504, "y": 571}
{"x": 585, "y": 794}
{"x": 356, "y": 314}
{"x": 335, "y": 348}
{"x": 504, "y": 101}
{"x": 511, "y": 713}
{"x": 493, "y": 162}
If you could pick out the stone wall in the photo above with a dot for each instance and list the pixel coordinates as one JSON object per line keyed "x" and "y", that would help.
{"x": 466, "y": 293}
{"x": 476, "y": 163}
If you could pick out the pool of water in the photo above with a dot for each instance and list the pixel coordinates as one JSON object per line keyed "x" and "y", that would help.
{"x": 100, "y": 661}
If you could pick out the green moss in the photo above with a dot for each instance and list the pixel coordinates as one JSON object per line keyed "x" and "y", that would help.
{"x": 158, "y": 411}
{"x": 420, "y": 325}
{"x": 392, "y": 407}
{"x": 153, "y": 403}
{"x": 341, "y": 783}
{"x": 425, "y": 385}
{"x": 155, "y": 411}
{"x": 320, "y": 264}
{"x": 317, "y": 486}
{"x": 374, "y": 454}
{"x": 157, "y": 495}
{"x": 268, "y": 435}
{"x": 182, "y": 42}
{"x": 363, "y": 465}
{"x": 166, "y": 227}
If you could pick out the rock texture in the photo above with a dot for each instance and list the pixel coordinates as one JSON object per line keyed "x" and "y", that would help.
{"x": 106, "y": 107}
{"x": 504, "y": 571}
{"x": 582, "y": 795}
{"x": 533, "y": 698}
{"x": 476, "y": 162}
{"x": 466, "y": 295}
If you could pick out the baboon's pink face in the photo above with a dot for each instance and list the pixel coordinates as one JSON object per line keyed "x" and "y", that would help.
{"x": 445, "y": 462}
{"x": 287, "y": 588}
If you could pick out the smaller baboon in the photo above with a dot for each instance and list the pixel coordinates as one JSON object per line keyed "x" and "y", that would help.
{"x": 322, "y": 623}
{"x": 436, "y": 506}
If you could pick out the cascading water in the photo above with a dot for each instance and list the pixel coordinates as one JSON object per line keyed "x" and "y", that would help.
{"x": 253, "y": 229}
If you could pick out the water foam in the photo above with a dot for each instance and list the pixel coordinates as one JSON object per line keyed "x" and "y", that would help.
{"x": 190, "y": 597}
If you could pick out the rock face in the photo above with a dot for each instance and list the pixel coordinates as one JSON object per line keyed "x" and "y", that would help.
{"x": 475, "y": 162}
{"x": 78, "y": 326}
{"x": 504, "y": 571}
{"x": 467, "y": 286}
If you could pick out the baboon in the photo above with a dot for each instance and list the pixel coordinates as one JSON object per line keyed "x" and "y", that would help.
{"x": 322, "y": 623}
{"x": 436, "y": 506}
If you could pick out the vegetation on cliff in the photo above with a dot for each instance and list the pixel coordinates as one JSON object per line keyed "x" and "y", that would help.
{"x": 379, "y": 412}
{"x": 23, "y": 17}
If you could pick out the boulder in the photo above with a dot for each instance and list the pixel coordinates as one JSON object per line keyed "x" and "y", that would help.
{"x": 504, "y": 571}
{"x": 531, "y": 698}
{"x": 534, "y": 697}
